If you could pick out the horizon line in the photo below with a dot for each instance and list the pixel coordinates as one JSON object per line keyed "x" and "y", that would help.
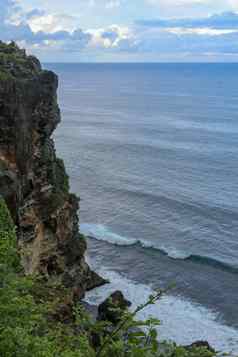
{"x": 133, "y": 63}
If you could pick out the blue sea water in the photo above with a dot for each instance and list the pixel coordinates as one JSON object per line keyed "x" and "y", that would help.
{"x": 152, "y": 151}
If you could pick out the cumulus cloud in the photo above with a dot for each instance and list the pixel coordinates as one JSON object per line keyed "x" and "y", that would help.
{"x": 111, "y": 37}
{"x": 60, "y": 34}
{"x": 10, "y": 30}
{"x": 35, "y": 29}
{"x": 40, "y": 21}
{"x": 166, "y": 42}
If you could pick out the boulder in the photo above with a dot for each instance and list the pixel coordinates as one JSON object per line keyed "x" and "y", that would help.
{"x": 200, "y": 344}
{"x": 113, "y": 307}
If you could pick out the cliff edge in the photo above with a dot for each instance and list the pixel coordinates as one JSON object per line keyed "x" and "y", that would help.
{"x": 33, "y": 180}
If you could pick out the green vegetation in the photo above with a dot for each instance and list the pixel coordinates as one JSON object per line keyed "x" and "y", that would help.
{"x": 58, "y": 179}
{"x": 8, "y": 248}
{"x": 38, "y": 319}
{"x": 7, "y": 58}
{"x": 15, "y": 63}
{"x": 61, "y": 177}
{"x": 5, "y": 76}
{"x": 29, "y": 324}
{"x": 10, "y": 57}
{"x": 8, "y": 48}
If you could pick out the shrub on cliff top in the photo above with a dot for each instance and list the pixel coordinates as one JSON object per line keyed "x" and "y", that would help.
{"x": 5, "y": 76}
{"x": 14, "y": 63}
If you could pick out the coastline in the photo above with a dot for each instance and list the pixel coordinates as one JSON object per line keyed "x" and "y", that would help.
{"x": 48, "y": 251}
{"x": 182, "y": 321}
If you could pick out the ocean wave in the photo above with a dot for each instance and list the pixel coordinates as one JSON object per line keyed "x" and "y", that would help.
{"x": 102, "y": 233}
{"x": 182, "y": 321}
{"x": 200, "y": 208}
{"x": 212, "y": 262}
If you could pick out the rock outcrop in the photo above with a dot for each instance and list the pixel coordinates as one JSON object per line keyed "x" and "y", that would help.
{"x": 33, "y": 180}
{"x": 200, "y": 344}
{"x": 113, "y": 307}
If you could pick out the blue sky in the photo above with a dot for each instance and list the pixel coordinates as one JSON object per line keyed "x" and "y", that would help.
{"x": 123, "y": 30}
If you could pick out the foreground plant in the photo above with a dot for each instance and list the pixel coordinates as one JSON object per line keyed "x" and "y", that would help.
{"x": 36, "y": 321}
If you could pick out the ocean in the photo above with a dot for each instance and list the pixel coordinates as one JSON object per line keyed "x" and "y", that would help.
{"x": 152, "y": 151}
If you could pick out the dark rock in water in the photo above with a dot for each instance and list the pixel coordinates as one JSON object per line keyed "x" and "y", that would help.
{"x": 33, "y": 180}
{"x": 112, "y": 308}
{"x": 95, "y": 281}
{"x": 200, "y": 344}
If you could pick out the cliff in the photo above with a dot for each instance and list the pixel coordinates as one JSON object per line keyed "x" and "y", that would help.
{"x": 38, "y": 316}
{"x": 33, "y": 180}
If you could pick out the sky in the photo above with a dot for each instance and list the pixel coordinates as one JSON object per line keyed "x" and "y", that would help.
{"x": 123, "y": 30}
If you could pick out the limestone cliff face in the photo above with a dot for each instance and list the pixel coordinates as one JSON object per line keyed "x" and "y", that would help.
{"x": 32, "y": 179}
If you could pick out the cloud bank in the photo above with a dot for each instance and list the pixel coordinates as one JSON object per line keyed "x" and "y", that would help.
{"x": 227, "y": 20}
{"x": 59, "y": 36}
{"x": 36, "y": 29}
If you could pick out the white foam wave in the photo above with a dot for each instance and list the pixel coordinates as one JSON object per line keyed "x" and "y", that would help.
{"x": 174, "y": 253}
{"x": 181, "y": 320}
{"x": 101, "y": 232}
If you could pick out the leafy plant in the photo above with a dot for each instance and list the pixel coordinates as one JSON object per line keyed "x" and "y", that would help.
{"x": 131, "y": 328}
{"x": 31, "y": 323}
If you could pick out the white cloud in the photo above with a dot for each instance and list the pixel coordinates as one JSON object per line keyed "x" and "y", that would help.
{"x": 206, "y": 31}
{"x": 111, "y": 4}
{"x": 52, "y": 23}
{"x": 110, "y": 37}
{"x": 36, "y": 29}
{"x": 60, "y": 35}
{"x": 233, "y": 4}
{"x": 178, "y": 2}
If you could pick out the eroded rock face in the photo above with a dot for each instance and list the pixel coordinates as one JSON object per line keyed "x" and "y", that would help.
{"x": 32, "y": 179}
